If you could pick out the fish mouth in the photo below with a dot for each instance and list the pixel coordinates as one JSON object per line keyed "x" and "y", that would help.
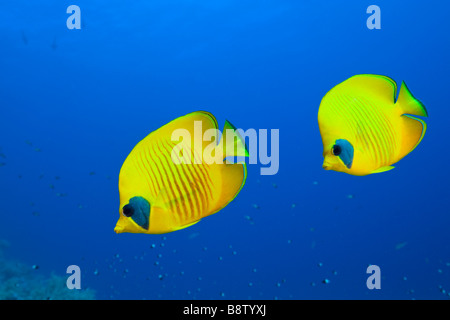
{"x": 118, "y": 229}
{"x": 326, "y": 166}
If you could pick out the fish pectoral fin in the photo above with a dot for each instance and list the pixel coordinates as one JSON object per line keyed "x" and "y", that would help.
{"x": 162, "y": 200}
{"x": 383, "y": 169}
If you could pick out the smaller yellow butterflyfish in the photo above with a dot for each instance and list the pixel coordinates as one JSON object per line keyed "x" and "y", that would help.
{"x": 179, "y": 174}
{"x": 365, "y": 129}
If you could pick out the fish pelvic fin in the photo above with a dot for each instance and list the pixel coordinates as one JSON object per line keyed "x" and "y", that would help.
{"x": 383, "y": 169}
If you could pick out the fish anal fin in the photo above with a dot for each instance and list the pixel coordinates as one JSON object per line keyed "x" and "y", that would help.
{"x": 383, "y": 169}
{"x": 233, "y": 179}
{"x": 412, "y": 133}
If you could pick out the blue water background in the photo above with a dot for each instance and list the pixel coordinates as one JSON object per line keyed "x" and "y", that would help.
{"x": 75, "y": 102}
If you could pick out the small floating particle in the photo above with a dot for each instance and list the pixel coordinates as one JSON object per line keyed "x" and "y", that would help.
{"x": 91, "y": 173}
{"x": 35, "y": 266}
{"x": 400, "y": 245}
{"x": 325, "y": 281}
{"x": 350, "y": 196}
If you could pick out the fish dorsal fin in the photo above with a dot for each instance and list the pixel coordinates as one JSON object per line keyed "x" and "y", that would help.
{"x": 408, "y": 104}
{"x": 191, "y": 123}
{"x": 371, "y": 84}
{"x": 188, "y": 133}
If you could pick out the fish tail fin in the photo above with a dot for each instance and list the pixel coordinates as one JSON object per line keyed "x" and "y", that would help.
{"x": 409, "y": 104}
{"x": 232, "y": 142}
{"x": 233, "y": 173}
{"x": 413, "y": 127}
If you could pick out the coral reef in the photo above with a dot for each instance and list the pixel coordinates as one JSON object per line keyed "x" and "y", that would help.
{"x": 19, "y": 281}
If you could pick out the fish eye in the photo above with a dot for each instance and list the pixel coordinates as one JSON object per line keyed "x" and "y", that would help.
{"x": 336, "y": 150}
{"x": 128, "y": 210}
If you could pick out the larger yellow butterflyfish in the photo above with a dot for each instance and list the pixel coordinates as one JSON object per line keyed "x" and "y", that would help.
{"x": 177, "y": 175}
{"x": 365, "y": 129}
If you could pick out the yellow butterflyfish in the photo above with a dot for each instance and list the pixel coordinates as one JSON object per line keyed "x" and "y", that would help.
{"x": 179, "y": 174}
{"x": 365, "y": 129}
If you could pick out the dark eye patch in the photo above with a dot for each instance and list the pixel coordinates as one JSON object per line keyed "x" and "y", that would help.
{"x": 336, "y": 150}
{"x": 344, "y": 150}
{"x": 139, "y": 211}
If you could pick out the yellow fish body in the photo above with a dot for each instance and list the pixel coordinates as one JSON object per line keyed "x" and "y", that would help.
{"x": 365, "y": 129}
{"x": 167, "y": 185}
